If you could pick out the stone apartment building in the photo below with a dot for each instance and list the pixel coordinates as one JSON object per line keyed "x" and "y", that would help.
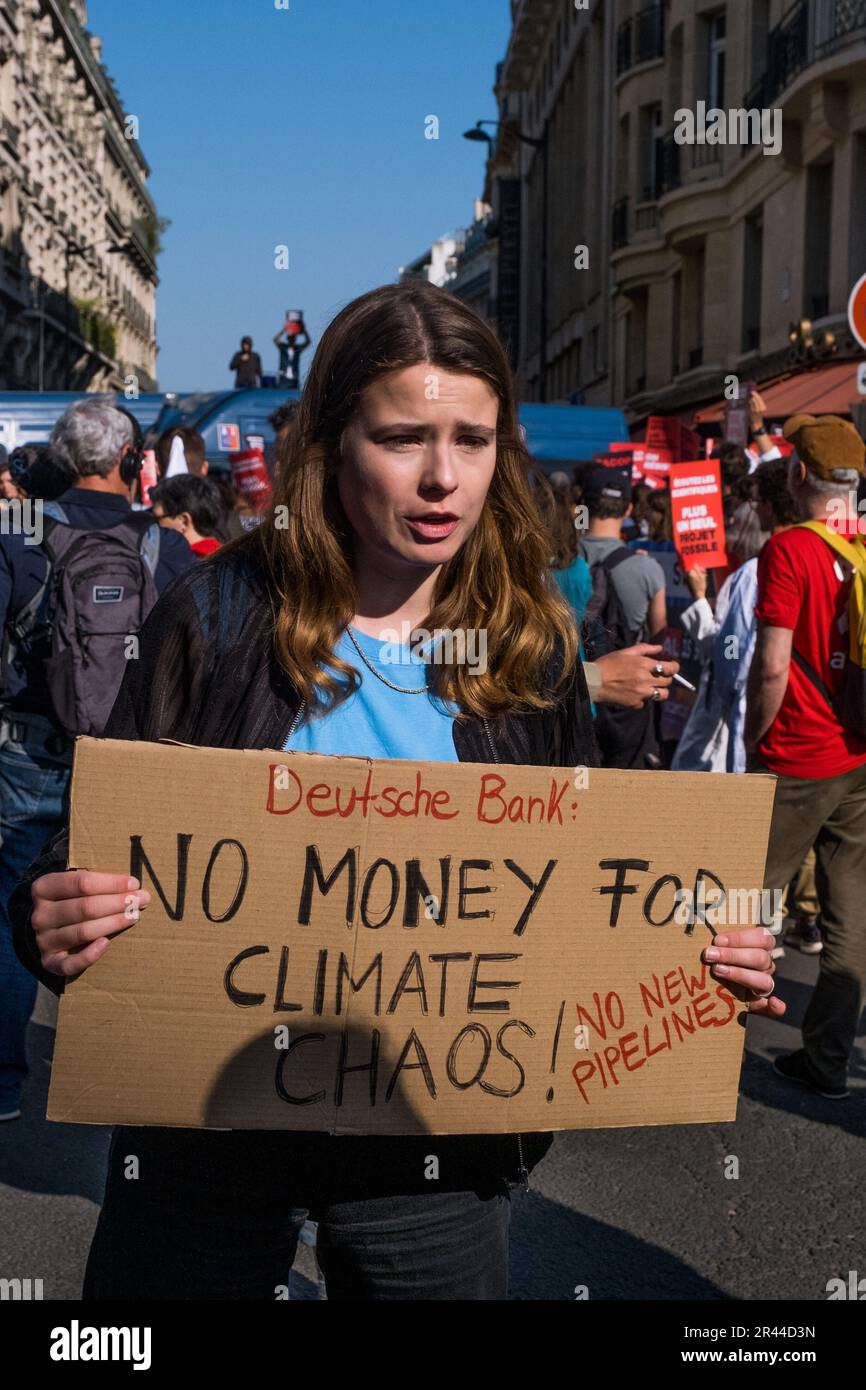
{"x": 79, "y": 232}
{"x": 700, "y": 259}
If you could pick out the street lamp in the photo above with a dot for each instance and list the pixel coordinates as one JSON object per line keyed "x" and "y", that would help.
{"x": 540, "y": 143}
{"x": 72, "y": 249}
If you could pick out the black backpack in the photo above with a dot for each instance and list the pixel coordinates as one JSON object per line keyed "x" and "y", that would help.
{"x": 99, "y": 587}
{"x": 626, "y": 737}
{"x": 605, "y": 627}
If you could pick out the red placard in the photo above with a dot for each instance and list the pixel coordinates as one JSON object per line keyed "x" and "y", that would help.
{"x": 656, "y": 465}
{"x": 148, "y": 477}
{"x": 250, "y": 476}
{"x": 647, "y": 465}
{"x": 623, "y": 455}
{"x": 696, "y": 514}
{"x": 666, "y": 432}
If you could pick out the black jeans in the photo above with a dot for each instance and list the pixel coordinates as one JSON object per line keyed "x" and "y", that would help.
{"x": 191, "y": 1214}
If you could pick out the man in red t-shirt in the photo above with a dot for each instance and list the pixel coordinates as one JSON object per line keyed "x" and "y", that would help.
{"x": 793, "y": 731}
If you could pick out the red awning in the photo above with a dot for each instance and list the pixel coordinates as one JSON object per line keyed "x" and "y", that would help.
{"x": 830, "y": 389}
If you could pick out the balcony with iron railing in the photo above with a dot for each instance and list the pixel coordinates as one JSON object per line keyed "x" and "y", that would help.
{"x": 641, "y": 38}
{"x": 810, "y": 31}
{"x": 670, "y": 173}
{"x": 662, "y": 179}
{"x": 705, "y": 156}
{"x": 669, "y": 166}
{"x": 652, "y": 189}
{"x": 646, "y": 218}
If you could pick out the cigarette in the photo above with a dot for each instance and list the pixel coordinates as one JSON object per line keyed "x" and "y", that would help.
{"x": 681, "y": 680}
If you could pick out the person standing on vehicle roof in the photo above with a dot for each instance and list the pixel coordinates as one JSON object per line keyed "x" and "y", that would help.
{"x": 247, "y": 366}
{"x": 291, "y": 341}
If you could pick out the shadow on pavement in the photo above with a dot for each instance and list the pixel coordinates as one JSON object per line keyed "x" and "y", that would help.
{"x": 766, "y": 1042}
{"x": 760, "y": 1083}
{"x": 39, "y": 1156}
{"x": 554, "y": 1250}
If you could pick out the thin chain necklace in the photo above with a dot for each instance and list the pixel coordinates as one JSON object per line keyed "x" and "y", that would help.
{"x": 401, "y": 689}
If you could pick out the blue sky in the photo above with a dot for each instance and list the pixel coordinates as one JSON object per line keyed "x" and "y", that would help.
{"x": 301, "y": 127}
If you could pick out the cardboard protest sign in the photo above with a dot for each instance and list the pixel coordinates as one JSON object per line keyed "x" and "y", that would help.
{"x": 363, "y": 946}
{"x": 697, "y": 516}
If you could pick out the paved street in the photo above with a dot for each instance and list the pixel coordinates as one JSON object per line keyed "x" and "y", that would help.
{"x": 631, "y": 1214}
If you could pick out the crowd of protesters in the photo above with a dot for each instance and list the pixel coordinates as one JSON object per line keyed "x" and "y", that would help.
{"x": 768, "y": 642}
{"x": 768, "y": 637}
{"x": 89, "y": 475}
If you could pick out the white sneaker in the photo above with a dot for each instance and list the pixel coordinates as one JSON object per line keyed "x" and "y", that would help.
{"x": 778, "y": 950}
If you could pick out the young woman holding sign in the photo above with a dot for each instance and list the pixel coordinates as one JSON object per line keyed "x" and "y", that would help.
{"x": 404, "y": 488}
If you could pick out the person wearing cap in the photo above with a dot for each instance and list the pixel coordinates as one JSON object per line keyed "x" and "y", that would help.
{"x": 792, "y": 730}
{"x": 626, "y": 736}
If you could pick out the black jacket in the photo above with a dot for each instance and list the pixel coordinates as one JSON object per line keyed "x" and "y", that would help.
{"x": 207, "y": 675}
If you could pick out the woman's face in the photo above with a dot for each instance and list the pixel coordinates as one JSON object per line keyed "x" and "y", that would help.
{"x": 8, "y": 490}
{"x": 416, "y": 462}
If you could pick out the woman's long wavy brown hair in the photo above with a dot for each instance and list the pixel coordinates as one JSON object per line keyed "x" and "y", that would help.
{"x": 498, "y": 581}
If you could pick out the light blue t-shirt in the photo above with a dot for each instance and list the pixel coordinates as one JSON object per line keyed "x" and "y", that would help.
{"x": 377, "y": 722}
